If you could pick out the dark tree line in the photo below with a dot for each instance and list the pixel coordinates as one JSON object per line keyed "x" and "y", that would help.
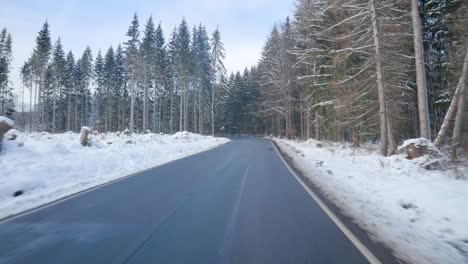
{"x": 144, "y": 84}
{"x": 366, "y": 70}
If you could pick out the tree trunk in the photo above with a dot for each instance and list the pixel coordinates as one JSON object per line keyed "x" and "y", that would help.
{"x": 145, "y": 104}
{"x": 171, "y": 105}
{"x": 380, "y": 84}
{"x": 68, "y": 110}
{"x": 154, "y": 110}
{"x": 392, "y": 148}
{"x": 454, "y": 104}
{"x": 212, "y": 109}
{"x": 420, "y": 72}
{"x": 181, "y": 111}
{"x": 317, "y": 126}
{"x": 54, "y": 99}
{"x": 76, "y": 111}
{"x": 456, "y": 138}
{"x": 132, "y": 108}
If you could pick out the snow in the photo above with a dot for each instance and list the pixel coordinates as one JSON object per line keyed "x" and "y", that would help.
{"x": 47, "y": 167}
{"x": 417, "y": 142}
{"x": 421, "y": 214}
{"x": 8, "y": 121}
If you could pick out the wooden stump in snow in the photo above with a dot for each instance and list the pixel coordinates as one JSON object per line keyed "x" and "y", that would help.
{"x": 429, "y": 156}
{"x": 5, "y": 125}
{"x": 84, "y": 140}
{"x": 418, "y": 147}
{"x": 415, "y": 151}
{"x": 100, "y": 126}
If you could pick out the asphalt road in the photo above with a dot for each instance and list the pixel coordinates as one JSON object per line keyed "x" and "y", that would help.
{"x": 237, "y": 203}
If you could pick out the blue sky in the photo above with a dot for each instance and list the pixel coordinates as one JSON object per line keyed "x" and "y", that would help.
{"x": 244, "y": 24}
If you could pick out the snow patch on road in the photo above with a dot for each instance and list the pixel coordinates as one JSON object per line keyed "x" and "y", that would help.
{"x": 47, "y": 167}
{"x": 421, "y": 214}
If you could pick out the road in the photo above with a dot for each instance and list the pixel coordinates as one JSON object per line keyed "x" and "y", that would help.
{"x": 237, "y": 203}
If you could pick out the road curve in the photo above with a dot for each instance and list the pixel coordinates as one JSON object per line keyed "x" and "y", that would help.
{"x": 237, "y": 203}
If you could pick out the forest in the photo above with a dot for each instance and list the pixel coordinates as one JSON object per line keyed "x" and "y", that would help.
{"x": 379, "y": 71}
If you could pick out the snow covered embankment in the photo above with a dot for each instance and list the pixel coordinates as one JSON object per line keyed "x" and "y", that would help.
{"x": 46, "y": 167}
{"x": 421, "y": 214}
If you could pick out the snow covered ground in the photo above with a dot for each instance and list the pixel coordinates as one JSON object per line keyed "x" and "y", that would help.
{"x": 47, "y": 167}
{"x": 421, "y": 214}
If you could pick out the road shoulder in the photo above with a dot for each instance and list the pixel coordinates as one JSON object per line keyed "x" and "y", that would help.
{"x": 381, "y": 251}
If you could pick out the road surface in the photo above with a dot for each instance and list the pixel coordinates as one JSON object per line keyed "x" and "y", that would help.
{"x": 237, "y": 203}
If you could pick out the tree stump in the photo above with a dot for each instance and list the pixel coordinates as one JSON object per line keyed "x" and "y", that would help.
{"x": 5, "y": 125}
{"x": 100, "y": 126}
{"x": 84, "y": 140}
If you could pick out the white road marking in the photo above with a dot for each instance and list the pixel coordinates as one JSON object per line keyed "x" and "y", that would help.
{"x": 356, "y": 242}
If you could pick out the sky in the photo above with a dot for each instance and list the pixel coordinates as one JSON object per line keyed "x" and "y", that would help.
{"x": 244, "y": 24}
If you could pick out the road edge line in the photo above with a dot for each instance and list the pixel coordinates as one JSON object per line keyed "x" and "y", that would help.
{"x": 353, "y": 238}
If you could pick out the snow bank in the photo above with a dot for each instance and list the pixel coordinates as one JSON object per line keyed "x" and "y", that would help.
{"x": 47, "y": 167}
{"x": 8, "y": 121}
{"x": 416, "y": 141}
{"x": 421, "y": 214}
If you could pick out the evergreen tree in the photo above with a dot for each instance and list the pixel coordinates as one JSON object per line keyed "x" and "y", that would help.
{"x": 108, "y": 95}
{"x": 162, "y": 87}
{"x": 70, "y": 85}
{"x": 183, "y": 65}
{"x": 219, "y": 71}
{"x": 40, "y": 60}
{"x": 58, "y": 67}
{"x": 120, "y": 91}
{"x": 99, "y": 81}
{"x": 84, "y": 73}
{"x": 133, "y": 65}
{"x": 6, "y": 90}
{"x": 148, "y": 54}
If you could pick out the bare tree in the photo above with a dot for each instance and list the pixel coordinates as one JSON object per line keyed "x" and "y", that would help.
{"x": 420, "y": 72}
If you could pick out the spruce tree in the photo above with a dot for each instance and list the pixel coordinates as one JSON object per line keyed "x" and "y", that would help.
{"x": 6, "y": 91}
{"x": 99, "y": 106}
{"x": 219, "y": 71}
{"x": 41, "y": 57}
{"x": 58, "y": 65}
{"x": 70, "y": 85}
{"x": 148, "y": 53}
{"x": 133, "y": 65}
{"x": 162, "y": 87}
{"x": 108, "y": 90}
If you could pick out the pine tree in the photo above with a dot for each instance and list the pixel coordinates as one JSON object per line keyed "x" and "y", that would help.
{"x": 148, "y": 53}
{"x": 120, "y": 92}
{"x": 58, "y": 66}
{"x": 6, "y": 91}
{"x": 40, "y": 60}
{"x": 27, "y": 82}
{"x": 99, "y": 81}
{"x": 133, "y": 65}
{"x": 162, "y": 85}
{"x": 84, "y": 73}
{"x": 205, "y": 76}
{"x": 175, "y": 91}
{"x": 183, "y": 67}
{"x": 70, "y": 85}
{"x": 219, "y": 72}
{"x": 108, "y": 95}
